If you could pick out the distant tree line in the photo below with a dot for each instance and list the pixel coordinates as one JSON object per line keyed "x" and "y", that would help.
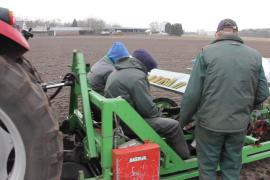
{"x": 43, "y": 23}
{"x": 172, "y": 29}
{"x": 94, "y": 25}
{"x": 255, "y": 32}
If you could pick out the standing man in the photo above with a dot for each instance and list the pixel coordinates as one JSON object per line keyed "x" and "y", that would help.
{"x": 129, "y": 81}
{"x": 226, "y": 84}
{"x": 100, "y": 70}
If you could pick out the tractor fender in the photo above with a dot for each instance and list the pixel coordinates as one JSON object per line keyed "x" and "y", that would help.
{"x": 12, "y": 41}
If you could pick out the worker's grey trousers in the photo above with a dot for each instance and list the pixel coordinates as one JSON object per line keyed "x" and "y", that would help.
{"x": 216, "y": 148}
{"x": 171, "y": 130}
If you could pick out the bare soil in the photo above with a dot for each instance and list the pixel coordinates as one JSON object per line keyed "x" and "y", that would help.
{"x": 52, "y": 55}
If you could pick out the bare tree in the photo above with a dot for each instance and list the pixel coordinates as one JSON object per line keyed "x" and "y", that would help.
{"x": 98, "y": 25}
{"x": 154, "y": 26}
{"x": 95, "y": 25}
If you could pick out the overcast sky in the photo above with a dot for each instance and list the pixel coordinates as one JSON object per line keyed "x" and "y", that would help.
{"x": 193, "y": 14}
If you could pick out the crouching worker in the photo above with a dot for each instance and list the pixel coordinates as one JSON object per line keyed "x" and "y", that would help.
{"x": 100, "y": 70}
{"x": 129, "y": 81}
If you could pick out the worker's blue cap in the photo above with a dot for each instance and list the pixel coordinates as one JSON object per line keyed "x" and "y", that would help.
{"x": 142, "y": 55}
{"x": 118, "y": 51}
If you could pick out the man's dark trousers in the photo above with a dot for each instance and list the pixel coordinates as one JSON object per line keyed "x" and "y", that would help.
{"x": 217, "y": 148}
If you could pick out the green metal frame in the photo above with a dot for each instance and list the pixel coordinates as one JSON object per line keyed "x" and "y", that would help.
{"x": 99, "y": 143}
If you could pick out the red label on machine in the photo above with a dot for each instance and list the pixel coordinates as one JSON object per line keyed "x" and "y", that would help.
{"x": 136, "y": 163}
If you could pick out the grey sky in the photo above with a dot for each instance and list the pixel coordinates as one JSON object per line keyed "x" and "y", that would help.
{"x": 193, "y": 14}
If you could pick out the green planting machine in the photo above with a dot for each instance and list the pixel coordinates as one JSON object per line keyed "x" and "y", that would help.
{"x": 99, "y": 139}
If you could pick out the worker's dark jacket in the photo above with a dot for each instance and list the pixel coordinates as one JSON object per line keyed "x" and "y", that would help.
{"x": 99, "y": 73}
{"x": 129, "y": 81}
{"x": 225, "y": 85}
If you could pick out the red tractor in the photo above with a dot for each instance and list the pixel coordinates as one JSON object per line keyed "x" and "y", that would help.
{"x": 31, "y": 145}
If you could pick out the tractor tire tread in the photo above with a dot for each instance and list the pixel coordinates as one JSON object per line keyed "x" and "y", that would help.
{"x": 28, "y": 106}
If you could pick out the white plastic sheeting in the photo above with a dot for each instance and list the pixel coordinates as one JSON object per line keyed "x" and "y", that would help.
{"x": 266, "y": 67}
{"x": 181, "y": 77}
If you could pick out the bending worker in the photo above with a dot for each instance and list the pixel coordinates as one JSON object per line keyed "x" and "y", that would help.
{"x": 100, "y": 70}
{"x": 129, "y": 81}
{"x": 225, "y": 85}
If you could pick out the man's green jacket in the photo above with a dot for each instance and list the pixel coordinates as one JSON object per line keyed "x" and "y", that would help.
{"x": 129, "y": 81}
{"x": 225, "y": 85}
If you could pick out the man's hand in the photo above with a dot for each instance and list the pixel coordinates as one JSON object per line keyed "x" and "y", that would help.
{"x": 188, "y": 127}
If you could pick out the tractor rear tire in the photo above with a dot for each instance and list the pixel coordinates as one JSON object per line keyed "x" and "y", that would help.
{"x": 31, "y": 147}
